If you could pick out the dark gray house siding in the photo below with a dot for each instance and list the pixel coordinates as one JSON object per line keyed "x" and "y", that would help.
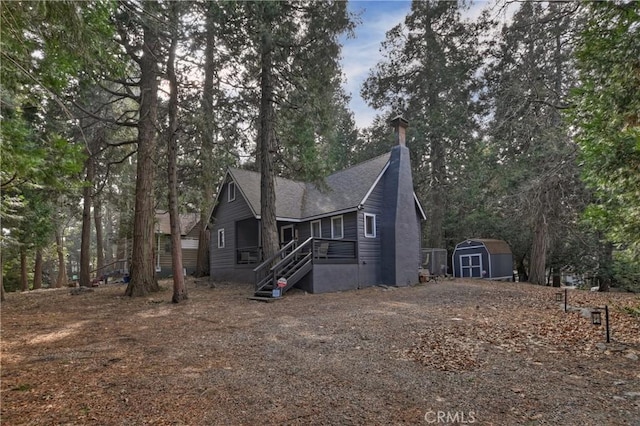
{"x": 378, "y": 190}
{"x": 369, "y": 249}
{"x": 228, "y": 215}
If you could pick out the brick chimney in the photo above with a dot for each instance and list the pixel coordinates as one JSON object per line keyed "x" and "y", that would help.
{"x": 399, "y": 129}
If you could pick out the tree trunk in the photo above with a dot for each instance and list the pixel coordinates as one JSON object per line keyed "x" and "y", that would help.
{"x": 522, "y": 269}
{"x": 62, "y": 278}
{"x": 556, "y": 277}
{"x": 142, "y": 276}
{"x": 108, "y": 249}
{"x": 267, "y": 150}
{"x": 202, "y": 267}
{"x": 537, "y": 264}
{"x": 85, "y": 243}
{"x": 605, "y": 275}
{"x": 123, "y": 248}
{"x": 435, "y": 225}
{"x": 37, "y": 270}
{"x": 206, "y": 153}
{"x": 1, "y": 284}
{"x": 179, "y": 288}
{"x": 97, "y": 218}
{"x": 24, "y": 283}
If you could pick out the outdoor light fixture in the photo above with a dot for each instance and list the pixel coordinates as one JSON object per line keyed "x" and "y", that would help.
{"x": 596, "y": 319}
{"x": 559, "y": 298}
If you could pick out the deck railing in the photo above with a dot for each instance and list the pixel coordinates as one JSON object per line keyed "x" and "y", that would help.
{"x": 248, "y": 255}
{"x": 334, "y": 251}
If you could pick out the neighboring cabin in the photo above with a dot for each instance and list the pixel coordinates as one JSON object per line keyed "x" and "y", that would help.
{"x": 363, "y": 229}
{"x": 189, "y": 229}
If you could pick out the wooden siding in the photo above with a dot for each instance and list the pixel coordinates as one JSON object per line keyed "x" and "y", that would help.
{"x": 194, "y": 232}
{"x": 226, "y": 215}
{"x": 349, "y": 227}
{"x": 349, "y": 231}
{"x": 189, "y": 258}
{"x": 247, "y": 232}
{"x": 370, "y": 248}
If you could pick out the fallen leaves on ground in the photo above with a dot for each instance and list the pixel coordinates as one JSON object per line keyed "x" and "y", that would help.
{"x": 534, "y": 322}
{"x": 505, "y": 352}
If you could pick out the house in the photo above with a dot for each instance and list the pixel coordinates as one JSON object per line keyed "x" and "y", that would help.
{"x": 189, "y": 230}
{"x": 362, "y": 228}
{"x": 483, "y": 258}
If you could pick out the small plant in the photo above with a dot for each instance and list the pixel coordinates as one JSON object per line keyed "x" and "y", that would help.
{"x": 23, "y": 387}
{"x": 633, "y": 311}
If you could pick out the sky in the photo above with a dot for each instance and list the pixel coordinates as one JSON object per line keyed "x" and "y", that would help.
{"x": 360, "y": 54}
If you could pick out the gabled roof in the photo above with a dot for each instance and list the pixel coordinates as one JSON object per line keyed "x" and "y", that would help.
{"x": 187, "y": 222}
{"x": 344, "y": 191}
{"x": 493, "y": 246}
{"x": 289, "y": 193}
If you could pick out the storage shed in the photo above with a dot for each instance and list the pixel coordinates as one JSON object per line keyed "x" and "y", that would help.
{"x": 483, "y": 258}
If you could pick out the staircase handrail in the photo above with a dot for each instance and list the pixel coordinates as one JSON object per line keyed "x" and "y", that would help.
{"x": 263, "y": 278}
{"x": 261, "y": 275}
{"x": 290, "y": 255}
{"x": 278, "y": 253}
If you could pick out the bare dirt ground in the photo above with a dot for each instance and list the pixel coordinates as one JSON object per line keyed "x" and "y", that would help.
{"x": 465, "y": 352}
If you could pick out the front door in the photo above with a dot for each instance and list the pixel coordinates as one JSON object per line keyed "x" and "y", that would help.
{"x": 287, "y": 233}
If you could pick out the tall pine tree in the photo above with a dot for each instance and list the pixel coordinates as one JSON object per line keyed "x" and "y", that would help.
{"x": 427, "y": 74}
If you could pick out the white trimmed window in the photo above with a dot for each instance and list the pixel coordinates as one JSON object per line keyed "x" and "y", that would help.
{"x": 369, "y": 225}
{"x": 316, "y": 229}
{"x": 221, "y": 238}
{"x": 231, "y": 191}
{"x": 337, "y": 230}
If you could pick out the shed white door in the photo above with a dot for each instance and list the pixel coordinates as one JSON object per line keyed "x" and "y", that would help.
{"x": 471, "y": 265}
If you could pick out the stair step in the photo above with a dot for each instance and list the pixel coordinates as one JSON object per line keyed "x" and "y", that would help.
{"x": 263, "y": 293}
{"x": 262, "y": 299}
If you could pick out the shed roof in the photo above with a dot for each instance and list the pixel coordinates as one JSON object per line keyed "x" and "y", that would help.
{"x": 295, "y": 200}
{"x": 493, "y": 246}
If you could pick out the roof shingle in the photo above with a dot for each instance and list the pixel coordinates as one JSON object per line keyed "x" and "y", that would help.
{"x": 299, "y": 200}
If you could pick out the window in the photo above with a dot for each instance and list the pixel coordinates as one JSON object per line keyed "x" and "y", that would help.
{"x": 369, "y": 225}
{"x": 231, "y": 191}
{"x": 316, "y": 229}
{"x": 221, "y": 238}
{"x": 336, "y": 227}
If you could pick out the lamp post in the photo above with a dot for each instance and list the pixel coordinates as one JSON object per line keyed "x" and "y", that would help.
{"x": 596, "y": 319}
{"x": 559, "y": 298}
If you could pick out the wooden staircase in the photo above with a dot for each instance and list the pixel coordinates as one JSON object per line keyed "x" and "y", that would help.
{"x": 296, "y": 262}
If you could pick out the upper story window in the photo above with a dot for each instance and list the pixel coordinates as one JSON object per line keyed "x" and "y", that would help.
{"x": 369, "y": 225}
{"x": 316, "y": 229}
{"x": 221, "y": 238}
{"x": 337, "y": 230}
{"x": 231, "y": 191}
